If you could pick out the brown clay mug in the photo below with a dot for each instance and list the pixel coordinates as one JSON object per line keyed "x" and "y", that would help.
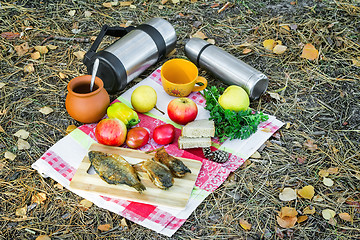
{"x": 83, "y": 105}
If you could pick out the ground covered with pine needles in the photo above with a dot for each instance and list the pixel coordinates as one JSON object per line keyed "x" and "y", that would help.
{"x": 319, "y": 101}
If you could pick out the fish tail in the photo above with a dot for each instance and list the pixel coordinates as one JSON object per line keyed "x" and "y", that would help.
{"x": 139, "y": 187}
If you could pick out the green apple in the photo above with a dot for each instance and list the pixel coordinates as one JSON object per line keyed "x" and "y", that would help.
{"x": 143, "y": 98}
{"x": 234, "y": 98}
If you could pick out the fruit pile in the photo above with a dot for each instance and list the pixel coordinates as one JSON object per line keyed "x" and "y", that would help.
{"x": 120, "y": 126}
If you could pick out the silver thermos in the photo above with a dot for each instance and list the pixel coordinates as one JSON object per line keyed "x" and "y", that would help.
{"x": 226, "y": 67}
{"x": 137, "y": 49}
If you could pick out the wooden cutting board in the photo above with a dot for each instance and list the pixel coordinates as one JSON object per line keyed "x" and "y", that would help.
{"x": 176, "y": 196}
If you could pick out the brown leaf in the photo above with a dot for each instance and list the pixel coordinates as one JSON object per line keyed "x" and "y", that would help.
{"x": 309, "y": 144}
{"x": 246, "y": 51}
{"x": 85, "y": 204}
{"x": 104, "y": 227}
{"x": 22, "y": 49}
{"x": 310, "y": 52}
{"x": 10, "y": 35}
{"x": 200, "y": 35}
{"x": 51, "y": 47}
{"x": 333, "y": 170}
{"x": 287, "y": 212}
{"x": 286, "y": 222}
{"x": 38, "y": 198}
{"x": 35, "y": 55}
{"x": 41, "y": 49}
{"x": 345, "y": 216}
{"x": 43, "y": 237}
{"x": 307, "y": 192}
{"x": 79, "y": 55}
{"x": 302, "y": 219}
{"x": 29, "y": 68}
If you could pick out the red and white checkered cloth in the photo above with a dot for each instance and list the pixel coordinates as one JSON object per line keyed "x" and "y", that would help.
{"x": 62, "y": 160}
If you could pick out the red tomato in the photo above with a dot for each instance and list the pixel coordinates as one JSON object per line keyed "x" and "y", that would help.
{"x": 137, "y": 137}
{"x": 164, "y": 134}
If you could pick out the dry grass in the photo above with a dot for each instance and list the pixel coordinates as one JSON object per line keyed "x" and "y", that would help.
{"x": 319, "y": 99}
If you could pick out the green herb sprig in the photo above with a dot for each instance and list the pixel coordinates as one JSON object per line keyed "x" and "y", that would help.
{"x": 228, "y": 123}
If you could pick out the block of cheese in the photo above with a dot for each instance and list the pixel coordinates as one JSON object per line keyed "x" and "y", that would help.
{"x": 199, "y": 128}
{"x": 191, "y": 142}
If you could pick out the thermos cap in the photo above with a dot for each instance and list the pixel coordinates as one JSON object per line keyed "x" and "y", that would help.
{"x": 226, "y": 67}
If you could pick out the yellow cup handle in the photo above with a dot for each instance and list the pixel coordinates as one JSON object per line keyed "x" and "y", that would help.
{"x": 199, "y": 88}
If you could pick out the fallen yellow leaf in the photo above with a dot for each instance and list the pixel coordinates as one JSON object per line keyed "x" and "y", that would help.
{"x": 85, "y": 204}
{"x": 288, "y": 194}
{"x": 46, "y": 110}
{"x": 38, "y": 198}
{"x": 200, "y": 35}
{"x": 21, "y": 211}
{"x": 9, "y": 155}
{"x": 22, "y": 49}
{"x": 51, "y": 47}
{"x": 286, "y": 222}
{"x": 104, "y": 227}
{"x": 302, "y": 219}
{"x": 328, "y": 182}
{"x": 22, "y": 134}
{"x": 309, "y": 210}
{"x": 285, "y": 29}
{"x": 41, "y": 49}
{"x": 269, "y": 44}
{"x": 43, "y": 237}
{"x": 345, "y": 216}
{"x": 29, "y": 68}
{"x": 323, "y": 173}
{"x": 35, "y": 55}
{"x": 70, "y": 128}
{"x": 307, "y": 192}
{"x": 246, "y": 51}
{"x": 22, "y": 144}
{"x": 244, "y": 224}
{"x": 333, "y": 170}
{"x": 309, "y": 144}
{"x": 107, "y": 4}
{"x": 310, "y": 52}
{"x": 79, "y": 54}
{"x": 328, "y": 214}
{"x": 287, "y": 212}
{"x": 279, "y": 49}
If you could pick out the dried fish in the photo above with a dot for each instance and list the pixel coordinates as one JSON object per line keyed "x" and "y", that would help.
{"x": 114, "y": 169}
{"x": 177, "y": 167}
{"x": 158, "y": 173}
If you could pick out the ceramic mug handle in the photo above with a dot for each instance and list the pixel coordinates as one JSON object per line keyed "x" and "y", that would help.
{"x": 199, "y": 88}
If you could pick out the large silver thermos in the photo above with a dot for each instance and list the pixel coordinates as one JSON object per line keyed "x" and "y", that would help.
{"x": 226, "y": 67}
{"x": 137, "y": 49}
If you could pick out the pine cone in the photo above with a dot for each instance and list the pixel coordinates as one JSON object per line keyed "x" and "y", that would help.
{"x": 218, "y": 156}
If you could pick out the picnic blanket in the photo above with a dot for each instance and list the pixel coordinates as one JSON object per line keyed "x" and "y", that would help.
{"x": 61, "y": 161}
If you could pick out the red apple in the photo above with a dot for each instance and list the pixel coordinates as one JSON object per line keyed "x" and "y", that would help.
{"x": 111, "y": 131}
{"x": 137, "y": 137}
{"x": 164, "y": 134}
{"x": 182, "y": 110}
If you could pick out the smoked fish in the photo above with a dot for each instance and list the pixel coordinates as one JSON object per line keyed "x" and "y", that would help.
{"x": 158, "y": 173}
{"x": 177, "y": 167}
{"x": 114, "y": 169}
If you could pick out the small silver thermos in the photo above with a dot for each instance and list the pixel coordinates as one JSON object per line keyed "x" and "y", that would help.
{"x": 226, "y": 67}
{"x": 137, "y": 49}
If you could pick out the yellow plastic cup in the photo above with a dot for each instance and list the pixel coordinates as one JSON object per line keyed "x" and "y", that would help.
{"x": 179, "y": 76}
